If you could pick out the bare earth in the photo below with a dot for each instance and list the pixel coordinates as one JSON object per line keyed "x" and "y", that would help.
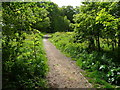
{"x": 63, "y": 71}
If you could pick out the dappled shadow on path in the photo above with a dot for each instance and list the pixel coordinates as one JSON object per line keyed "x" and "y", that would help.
{"x": 46, "y": 36}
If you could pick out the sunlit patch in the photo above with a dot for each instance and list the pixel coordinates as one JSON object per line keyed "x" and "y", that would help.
{"x": 44, "y": 40}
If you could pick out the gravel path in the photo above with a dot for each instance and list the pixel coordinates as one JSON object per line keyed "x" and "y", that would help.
{"x": 63, "y": 71}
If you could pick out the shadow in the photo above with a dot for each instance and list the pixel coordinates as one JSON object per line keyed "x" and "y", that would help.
{"x": 46, "y": 36}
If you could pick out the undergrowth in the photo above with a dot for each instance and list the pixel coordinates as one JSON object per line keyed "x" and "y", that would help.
{"x": 100, "y": 68}
{"x": 24, "y": 62}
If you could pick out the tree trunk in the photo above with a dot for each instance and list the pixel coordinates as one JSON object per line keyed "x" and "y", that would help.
{"x": 108, "y": 42}
{"x": 113, "y": 46}
{"x": 115, "y": 42}
{"x": 119, "y": 41}
{"x": 91, "y": 44}
{"x": 98, "y": 42}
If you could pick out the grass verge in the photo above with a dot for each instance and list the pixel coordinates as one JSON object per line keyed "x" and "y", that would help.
{"x": 101, "y": 70}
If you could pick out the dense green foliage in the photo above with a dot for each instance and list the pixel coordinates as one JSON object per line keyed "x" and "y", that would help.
{"x": 24, "y": 64}
{"x": 24, "y": 60}
{"x": 94, "y": 42}
{"x": 98, "y": 26}
{"x": 57, "y": 19}
{"x": 68, "y": 11}
{"x": 100, "y": 64}
{"x": 96, "y": 21}
{"x": 27, "y": 15}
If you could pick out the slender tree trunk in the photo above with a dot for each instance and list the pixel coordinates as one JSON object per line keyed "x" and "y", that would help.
{"x": 113, "y": 45}
{"x": 119, "y": 40}
{"x": 91, "y": 44}
{"x": 34, "y": 46}
{"x": 115, "y": 42}
{"x": 98, "y": 42}
{"x": 108, "y": 42}
{"x": 118, "y": 52}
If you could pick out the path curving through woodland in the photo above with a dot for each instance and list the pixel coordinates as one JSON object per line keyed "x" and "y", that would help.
{"x": 63, "y": 71}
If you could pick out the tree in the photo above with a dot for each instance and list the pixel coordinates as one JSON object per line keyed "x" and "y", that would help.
{"x": 115, "y": 11}
{"x": 110, "y": 25}
{"x": 19, "y": 18}
{"x": 61, "y": 24}
{"x": 68, "y": 11}
{"x": 87, "y": 26}
{"x": 54, "y": 13}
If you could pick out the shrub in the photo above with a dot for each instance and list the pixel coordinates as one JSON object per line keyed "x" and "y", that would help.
{"x": 26, "y": 66}
{"x": 98, "y": 63}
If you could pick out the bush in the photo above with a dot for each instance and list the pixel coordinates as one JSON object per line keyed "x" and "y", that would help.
{"x": 25, "y": 66}
{"x": 96, "y": 62}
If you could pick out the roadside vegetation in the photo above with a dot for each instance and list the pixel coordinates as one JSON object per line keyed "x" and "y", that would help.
{"x": 23, "y": 24}
{"x": 24, "y": 60}
{"x": 95, "y": 41}
{"x": 90, "y": 34}
{"x": 99, "y": 66}
{"x": 25, "y": 64}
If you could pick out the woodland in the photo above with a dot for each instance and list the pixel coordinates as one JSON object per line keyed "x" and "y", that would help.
{"x": 89, "y": 34}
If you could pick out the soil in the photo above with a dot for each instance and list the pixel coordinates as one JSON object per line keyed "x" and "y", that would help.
{"x": 63, "y": 72}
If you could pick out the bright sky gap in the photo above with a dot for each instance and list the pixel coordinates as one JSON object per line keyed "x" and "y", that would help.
{"x": 67, "y": 2}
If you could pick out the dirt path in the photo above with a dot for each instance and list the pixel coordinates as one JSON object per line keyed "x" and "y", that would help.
{"x": 63, "y": 71}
